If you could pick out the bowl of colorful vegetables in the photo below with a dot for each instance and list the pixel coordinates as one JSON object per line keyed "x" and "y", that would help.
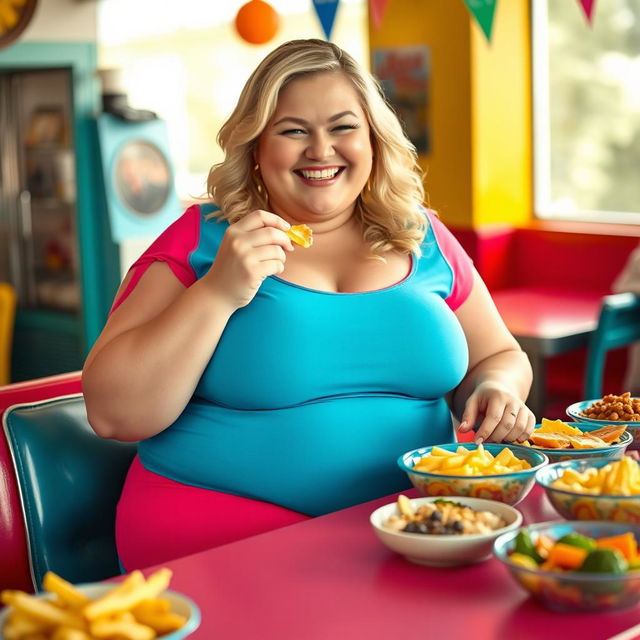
{"x": 575, "y": 566}
{"x": 594, "y": 489}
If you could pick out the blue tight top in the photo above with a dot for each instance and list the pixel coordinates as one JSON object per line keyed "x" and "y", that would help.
{"x": 311, "y": 396}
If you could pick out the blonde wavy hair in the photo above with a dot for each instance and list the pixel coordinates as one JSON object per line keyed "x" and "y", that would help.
{"x": 389, "y": 206}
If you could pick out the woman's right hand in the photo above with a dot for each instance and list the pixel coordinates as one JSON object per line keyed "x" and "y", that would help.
{"x": 252, "y": 249}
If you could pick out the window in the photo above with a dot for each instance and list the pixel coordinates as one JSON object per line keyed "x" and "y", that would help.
{"x": 587, "y": 111}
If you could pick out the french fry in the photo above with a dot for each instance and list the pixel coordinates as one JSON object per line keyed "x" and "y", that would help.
{"x": 128, "y": 596}
{"x": 621, "y": 478}
{"x": 66, "y": 633}
{"x": 157, "y": 614}
{"x": 121, "y": 629}
{"x": 64, "y": 590}
{"x": 42, "y": 610}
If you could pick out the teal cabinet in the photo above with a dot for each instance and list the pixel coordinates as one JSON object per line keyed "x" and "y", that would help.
{"x": 55, "y": 244}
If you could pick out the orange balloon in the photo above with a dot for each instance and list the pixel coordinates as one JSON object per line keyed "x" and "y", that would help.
{"x": 257, "y": 22}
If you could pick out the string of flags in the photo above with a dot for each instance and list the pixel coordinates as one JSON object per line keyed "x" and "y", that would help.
{"x": 483, "y": 12}
{"x": 257, "y": 22}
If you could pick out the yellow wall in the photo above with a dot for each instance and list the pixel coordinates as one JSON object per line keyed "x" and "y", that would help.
{"x": 479, "y": 168}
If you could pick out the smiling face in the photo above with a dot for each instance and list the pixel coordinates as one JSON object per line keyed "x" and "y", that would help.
{"x": 315, "y": 153}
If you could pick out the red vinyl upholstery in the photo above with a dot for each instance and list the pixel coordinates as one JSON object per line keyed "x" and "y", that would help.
{"x": 14, "y": 563}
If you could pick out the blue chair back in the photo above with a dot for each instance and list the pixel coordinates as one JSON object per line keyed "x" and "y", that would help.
{"x": 70, "y": 482}
{"x": 618, "y": 326}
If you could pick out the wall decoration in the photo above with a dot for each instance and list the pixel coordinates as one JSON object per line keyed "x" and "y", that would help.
{"x": 257, "y": 22}
{"x": 377, "y": 9}
{"x": 404, "y": 73}
{"x": 483, "y": 12}
{"x": 46, "y": 127}
{"x": 15, "y": 15}
{"x": 326, "y": 10}
{"x": 588, "y": 6}
{"x": 138, "y": 176}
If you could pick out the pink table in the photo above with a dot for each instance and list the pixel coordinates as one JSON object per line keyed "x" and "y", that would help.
{"x": 330, "y": 578}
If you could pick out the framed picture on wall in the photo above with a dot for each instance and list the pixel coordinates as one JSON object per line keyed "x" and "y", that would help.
{"x": 404, "y": 73}
{"x": 138, "y": 176}
{"x": 46, "y": 127}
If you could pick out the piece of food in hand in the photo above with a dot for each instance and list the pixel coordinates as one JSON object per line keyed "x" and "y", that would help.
{"x": 301, "y": 234}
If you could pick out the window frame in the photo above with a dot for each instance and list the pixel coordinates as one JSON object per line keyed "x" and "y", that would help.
{"x": 541, "y": 134}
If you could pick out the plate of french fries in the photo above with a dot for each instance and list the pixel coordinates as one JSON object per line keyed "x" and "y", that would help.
{"x": 137, "y": 608}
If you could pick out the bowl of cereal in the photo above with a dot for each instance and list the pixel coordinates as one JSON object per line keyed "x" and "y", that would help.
{"x": 610, "y": 409}
{"x": 443, "y": 532}
{"x": 493, "y": 471}
{"x": 578, "y": 440}
{"x": 575, "y": 566}
{"x": 594, "y": 489}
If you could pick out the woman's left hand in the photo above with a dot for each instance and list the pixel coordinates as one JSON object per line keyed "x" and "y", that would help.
{"x": 501, "y": 415}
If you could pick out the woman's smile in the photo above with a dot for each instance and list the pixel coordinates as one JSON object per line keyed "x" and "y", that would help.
{"x": 319, "y": 176}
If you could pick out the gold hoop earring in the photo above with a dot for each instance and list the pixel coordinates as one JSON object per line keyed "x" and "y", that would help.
{"x": 257, "y": 179}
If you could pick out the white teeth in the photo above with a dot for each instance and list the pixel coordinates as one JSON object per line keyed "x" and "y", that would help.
{"x": 321, "y": 174}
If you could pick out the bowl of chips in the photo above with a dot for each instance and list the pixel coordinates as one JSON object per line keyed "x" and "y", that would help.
{"x": 560, "y": 440}
{"x": 608, "y": 410}
{"x": 594, "y": 489}
{"x": 492, "y": 471}
{"x": 575, "y": 566}
{"x": 443, "y": 532}
{"x": 134, "y": 609}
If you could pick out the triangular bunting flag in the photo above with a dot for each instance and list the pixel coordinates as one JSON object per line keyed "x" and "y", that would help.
{"x": 377, "y": 10}
{"x": 587, "y": 7}
{"x": 326, "y": 10}
{"x": 483, "y": 12}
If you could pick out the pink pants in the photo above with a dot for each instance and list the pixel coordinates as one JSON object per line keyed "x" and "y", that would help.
{"x": 159, "y": 519}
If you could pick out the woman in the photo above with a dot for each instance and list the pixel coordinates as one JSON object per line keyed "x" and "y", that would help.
{"x": 266, "y": 383}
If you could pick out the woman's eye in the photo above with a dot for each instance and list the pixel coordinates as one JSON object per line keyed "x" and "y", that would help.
{"x": 346, "y": 127}
{"x": 293, "y": 132}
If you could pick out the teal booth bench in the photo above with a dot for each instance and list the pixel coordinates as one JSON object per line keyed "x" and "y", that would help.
{"x": 59, "y": 487}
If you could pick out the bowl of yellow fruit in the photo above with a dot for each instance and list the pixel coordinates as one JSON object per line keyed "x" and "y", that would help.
{"x": 594, "y": 489}
{"x": 493, "y": 471}
{"x": 575, "y": 566}
{"x": 561, "y": 441}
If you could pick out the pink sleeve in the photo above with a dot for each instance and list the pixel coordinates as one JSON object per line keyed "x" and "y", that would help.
{"x": 458, "y": 259}
{"x": 173, "y": 246}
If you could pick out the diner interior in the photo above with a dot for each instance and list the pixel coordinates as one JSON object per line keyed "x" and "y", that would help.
{"x": 525, "y": 117}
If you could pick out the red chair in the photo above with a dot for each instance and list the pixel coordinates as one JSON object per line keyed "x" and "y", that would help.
{"x": 14, "y": 558}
